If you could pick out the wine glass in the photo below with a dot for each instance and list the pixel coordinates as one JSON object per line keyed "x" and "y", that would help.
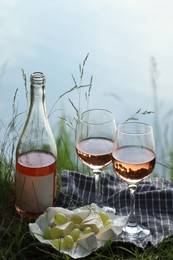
{"x": 133, "y": 160}
{"x": 95, "y": 135}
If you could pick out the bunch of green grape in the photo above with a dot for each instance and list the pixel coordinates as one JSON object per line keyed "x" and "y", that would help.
{"x": 73, "y": 229}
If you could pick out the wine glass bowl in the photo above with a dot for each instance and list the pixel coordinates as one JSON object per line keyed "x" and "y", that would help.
{"x": 95, "y": 136}
{"x": 95, "y": 152}
{"x": 133, "y": 160}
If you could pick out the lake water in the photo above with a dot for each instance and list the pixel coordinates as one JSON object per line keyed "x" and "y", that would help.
{"x": 123, "y": 38}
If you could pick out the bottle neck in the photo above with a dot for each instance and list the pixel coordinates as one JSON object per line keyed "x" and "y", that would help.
{"x": 37, "y": 93}
{"x": 37, "y": 134}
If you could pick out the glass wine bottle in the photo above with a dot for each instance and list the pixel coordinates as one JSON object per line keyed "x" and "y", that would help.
{"x": 36, "y": 156}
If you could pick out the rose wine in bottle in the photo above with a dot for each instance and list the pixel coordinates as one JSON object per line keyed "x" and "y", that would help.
{"x": 36, "y": 157}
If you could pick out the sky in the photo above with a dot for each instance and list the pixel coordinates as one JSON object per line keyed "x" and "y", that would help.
{"x": 121, "y": 38}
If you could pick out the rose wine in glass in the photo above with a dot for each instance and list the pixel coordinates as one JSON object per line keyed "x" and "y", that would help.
{"x": 95, "y": 136}
{"x": 133, "y": 160}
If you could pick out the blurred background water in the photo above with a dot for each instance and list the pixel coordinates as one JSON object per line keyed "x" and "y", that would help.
{"x": 129, "y": 43}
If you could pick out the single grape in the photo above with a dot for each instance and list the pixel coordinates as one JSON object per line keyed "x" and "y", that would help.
{"x": 108, "y": 223}
{"x": 68, "y": 242}
{"x": 60, "y": 219}
{"x": 75, "y": 233}
{"x": 103, "y": 216}
{"x": 47, "y": 232}
{"x": 76, "y": 219}
{"x": 55, "y": 232}
{"x": 58, "y": 243}
{"x": 87, "y": 230}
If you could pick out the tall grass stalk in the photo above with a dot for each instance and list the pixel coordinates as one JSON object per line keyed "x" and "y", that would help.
{"x": 81, "y": 90}
{"x": 163, "y": 129}
{"x": 157, "y": 133}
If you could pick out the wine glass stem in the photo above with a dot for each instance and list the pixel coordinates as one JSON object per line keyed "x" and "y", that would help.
{"x": 132, "y": 217}
{"x": 97, "y": 175}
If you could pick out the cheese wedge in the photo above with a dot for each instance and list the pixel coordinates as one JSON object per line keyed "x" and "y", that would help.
{"x": 93, "y": 221}
{"x": 88, "y": 241}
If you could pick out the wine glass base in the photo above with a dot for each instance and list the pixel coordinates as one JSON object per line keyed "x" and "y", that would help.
{"x": 134, "y": 232}
{"x": 108, "y": 209}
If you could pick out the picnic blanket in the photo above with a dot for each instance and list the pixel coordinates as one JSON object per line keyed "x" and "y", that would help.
{"x": 153, "y": 200}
